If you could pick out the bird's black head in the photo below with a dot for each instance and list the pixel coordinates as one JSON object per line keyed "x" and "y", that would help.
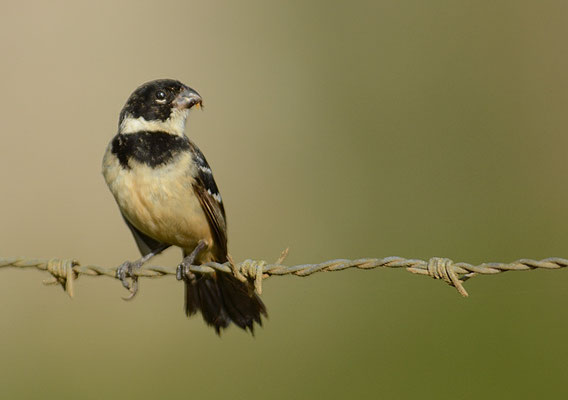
{"x": 159, "y": 101}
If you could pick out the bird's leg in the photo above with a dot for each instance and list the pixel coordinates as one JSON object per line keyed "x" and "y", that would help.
{"x": 183, "y": 269}
{"x": 125, "y": 270}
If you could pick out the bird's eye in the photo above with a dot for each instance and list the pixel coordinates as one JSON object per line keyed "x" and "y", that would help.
{"x": 160, "y": 95}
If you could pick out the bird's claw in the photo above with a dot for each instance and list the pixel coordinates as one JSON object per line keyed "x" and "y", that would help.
{"x": 183, "y": 272}
{"x": 180, "y": 272}
{"x": 122, "y": 272}
{"x": 125, "y": 271}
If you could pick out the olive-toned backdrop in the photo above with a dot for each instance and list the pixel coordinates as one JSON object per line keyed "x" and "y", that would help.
{"x": 340, "y": 129}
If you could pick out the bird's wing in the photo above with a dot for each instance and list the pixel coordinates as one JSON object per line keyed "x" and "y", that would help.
{"x": 145, "y": 243}
{"x": 208, "y": 194}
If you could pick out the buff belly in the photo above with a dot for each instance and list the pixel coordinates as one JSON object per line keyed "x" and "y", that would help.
{"x": 160, "y": 202}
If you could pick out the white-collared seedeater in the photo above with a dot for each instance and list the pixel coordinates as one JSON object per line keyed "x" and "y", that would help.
{"x": 167, "y": 196}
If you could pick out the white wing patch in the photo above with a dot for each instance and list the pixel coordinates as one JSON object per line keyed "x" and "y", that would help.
{"x": 216, "y": 196}
{"x": 205, "y": 169}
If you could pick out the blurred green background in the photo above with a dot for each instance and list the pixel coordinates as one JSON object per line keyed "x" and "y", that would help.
{"x": 340, "y": 129}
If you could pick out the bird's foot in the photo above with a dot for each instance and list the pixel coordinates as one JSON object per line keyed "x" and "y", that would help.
{"x": 183, "y": 271}
{"x": 127, "y": 268}
{"x": 125, "y": 271}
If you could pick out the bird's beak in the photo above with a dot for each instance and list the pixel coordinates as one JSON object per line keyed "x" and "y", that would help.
{"x": 187, "y": 99}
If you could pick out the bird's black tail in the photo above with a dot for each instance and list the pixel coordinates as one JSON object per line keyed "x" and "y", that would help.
{"x": 223, "y": 299}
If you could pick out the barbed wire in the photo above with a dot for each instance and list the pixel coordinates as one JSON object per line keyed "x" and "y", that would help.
{"x": 66, "y": 271}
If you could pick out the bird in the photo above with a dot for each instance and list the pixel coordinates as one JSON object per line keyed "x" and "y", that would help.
{"x": 167, "y": 196}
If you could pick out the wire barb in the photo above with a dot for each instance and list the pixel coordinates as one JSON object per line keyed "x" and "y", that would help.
{"x": 62, "y": 272}
{"x": 66, "y": 271}
{"x": 443, "y": 268}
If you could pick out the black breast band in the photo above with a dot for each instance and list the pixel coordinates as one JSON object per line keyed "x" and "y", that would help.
{"x": 150, "y": 148}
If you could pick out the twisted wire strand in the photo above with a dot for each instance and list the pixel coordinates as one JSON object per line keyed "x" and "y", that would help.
{"x": 65, "y": 271}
